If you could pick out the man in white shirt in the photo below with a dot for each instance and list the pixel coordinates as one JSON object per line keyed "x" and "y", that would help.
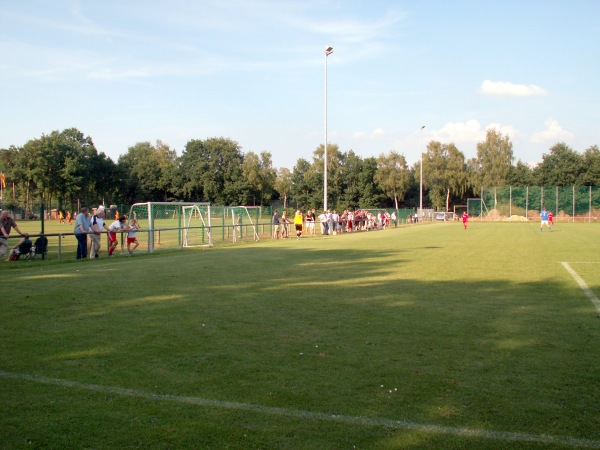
{"x": 96, "y": 231}
{"x": 335, "y": 222}
{"x": 323, "y": 222}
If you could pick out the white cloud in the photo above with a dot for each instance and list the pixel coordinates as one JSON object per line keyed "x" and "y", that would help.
{"x": 469, "y": 131}
{"x": 376, "y": 133}
{"x": 466, "y": 135}
{"x": 552, "y": 134}
{"x": 507, "y": 89}
{"x": 504, "y": 130}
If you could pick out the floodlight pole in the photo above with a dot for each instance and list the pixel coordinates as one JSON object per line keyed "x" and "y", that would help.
{"x": 328, "y": 51}
{"x": 421, "y": 177}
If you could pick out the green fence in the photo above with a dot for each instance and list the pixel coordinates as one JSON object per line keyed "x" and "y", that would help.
{"x": 568, "y": 203}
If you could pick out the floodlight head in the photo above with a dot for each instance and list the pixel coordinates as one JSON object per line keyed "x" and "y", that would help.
{"x": 328, "y": 50}
{"x": 423, "y": 126}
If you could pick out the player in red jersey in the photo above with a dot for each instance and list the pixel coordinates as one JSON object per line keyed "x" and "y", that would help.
{"x": 465, "y": 219}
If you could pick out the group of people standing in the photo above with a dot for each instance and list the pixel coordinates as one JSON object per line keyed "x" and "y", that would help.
{"x": 281, "y": 225}
{"x": 330, "y": 222}
{"x": 95, "y": 225}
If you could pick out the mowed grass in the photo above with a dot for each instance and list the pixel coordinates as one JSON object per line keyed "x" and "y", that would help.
{"x": 417, "y": 337}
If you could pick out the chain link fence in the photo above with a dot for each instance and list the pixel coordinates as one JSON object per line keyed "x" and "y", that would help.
{"x": 567, "y": 203}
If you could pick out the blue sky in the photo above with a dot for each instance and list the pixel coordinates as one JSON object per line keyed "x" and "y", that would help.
{"x": 124, "y": 72}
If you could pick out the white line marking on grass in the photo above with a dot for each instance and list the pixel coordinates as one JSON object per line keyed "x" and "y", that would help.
{"x": 584, "y": 287}
{"x": 506, "y": 436}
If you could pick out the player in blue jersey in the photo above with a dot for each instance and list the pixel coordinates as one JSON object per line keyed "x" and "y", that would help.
{"x": 544, "y": 218}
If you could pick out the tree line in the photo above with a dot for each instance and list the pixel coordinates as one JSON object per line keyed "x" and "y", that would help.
{"x": 64, "y": 170}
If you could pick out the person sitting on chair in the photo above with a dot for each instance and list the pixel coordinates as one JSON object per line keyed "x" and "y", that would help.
{"x": 22, "y": 248}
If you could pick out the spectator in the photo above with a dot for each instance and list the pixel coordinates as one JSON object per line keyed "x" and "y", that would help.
{"x": 335, "y": 222}
{"x": 323, "y": 222}
{"x": 310, "y": 221}
{"x": 6, "y": 223}
{"x": 118, "y": 225}
{"x": 132, "y": 241}
{"x": 329, "y": 216}
{"x": 82, "y": 228}
{"x": 349, "y": 221}
{"x": 22, "y": 248}
{"x": 285, "y": 231}
{"x": 97, "y": 224}
{"x": 275, "y": 224}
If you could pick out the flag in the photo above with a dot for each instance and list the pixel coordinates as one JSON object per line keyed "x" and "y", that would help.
{"x": 3, "y": 180}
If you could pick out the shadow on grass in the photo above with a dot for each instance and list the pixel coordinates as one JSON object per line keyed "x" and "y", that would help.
{"x": 341, "y": 331}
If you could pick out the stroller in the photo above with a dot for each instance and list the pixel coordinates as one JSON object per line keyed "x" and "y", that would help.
{"x": 40, "y": 247}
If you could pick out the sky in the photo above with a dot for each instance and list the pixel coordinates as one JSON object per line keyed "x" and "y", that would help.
{"x": 256, "y": 72}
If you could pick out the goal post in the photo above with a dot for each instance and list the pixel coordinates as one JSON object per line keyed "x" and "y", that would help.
{"x": 460, "y": 209}
{"x": 165, "y": 223}
{"x": 196, "y": 225}
{"x": 240, "y": 216}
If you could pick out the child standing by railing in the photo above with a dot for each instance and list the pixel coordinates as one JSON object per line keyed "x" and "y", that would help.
{"x": 132, "y": 242}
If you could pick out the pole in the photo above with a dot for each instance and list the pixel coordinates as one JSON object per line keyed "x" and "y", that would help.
{"x": 421, "y": 175}
{"x": 328, "y": 51}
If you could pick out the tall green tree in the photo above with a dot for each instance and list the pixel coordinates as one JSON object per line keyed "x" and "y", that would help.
{"x": 334, "y": 172}
{"x": 591, "y": 164}
{"x": 306, "y": 185}
{"x": 352, "y": 192}
{"x": 61, "y": 166}
{"x": 259, "y": 175}
{"x": 15, "y": 169}
{"x": 283, "y": 184}
{"x": 494, "y": 161}
{"x": 150, "y": 172}
{"x": 372, "y": 195}
{"x": 211, "y": 170}
{"x": 521, "y": 175}
{"x": 444, "y": 173}
{"x": 392, "y": 176}
{"x": 80, "y": 159}
{"x": 563, "y": 166}
{"x": 105, "y": 180}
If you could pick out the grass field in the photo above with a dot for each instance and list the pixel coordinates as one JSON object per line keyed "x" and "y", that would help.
{"x": 418, "y": 337}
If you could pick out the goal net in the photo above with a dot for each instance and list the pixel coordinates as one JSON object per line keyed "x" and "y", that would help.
{"x": 241, "y": 224}
{"x": 165, "y": 225}
{"x": 460, "y": 209}
{"x": 196, "y": 225}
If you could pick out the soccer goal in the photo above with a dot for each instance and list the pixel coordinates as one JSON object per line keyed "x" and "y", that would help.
{"x": 241, "y": 223}
{"x": 173, "y": 224}
{"x": 196, "y": 225}
{"x": 460, "y": 209}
